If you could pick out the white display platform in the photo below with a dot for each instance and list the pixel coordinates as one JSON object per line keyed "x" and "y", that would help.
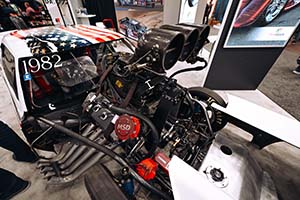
{"x": 255, "y": 109}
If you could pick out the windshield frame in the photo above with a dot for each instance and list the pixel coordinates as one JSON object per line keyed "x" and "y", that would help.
{"x": 30, "y": 101}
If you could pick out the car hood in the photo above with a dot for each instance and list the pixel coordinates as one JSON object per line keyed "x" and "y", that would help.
{"x": 58, "y": 39}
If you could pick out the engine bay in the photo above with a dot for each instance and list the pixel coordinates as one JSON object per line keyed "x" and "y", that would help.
{"x": 98, "y": 105}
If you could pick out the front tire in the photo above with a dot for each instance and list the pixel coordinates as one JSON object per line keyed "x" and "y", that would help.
{"x": 271, "y": 12}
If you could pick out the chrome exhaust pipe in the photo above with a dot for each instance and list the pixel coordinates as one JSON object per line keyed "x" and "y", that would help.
{"x": 78, "y": 152}
{"x": 81, "y": 160}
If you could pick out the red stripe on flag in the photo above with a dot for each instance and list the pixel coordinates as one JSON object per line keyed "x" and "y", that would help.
{"x": 103, "y": 31}
{"x": 110, "y": 37}
{"x": 85, "y": 34}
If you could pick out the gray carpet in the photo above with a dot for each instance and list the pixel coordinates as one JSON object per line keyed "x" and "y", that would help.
{"x": 281, "y": 85}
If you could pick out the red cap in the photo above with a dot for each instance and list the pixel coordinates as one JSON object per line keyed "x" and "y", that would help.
{"x": 147, "y": 169}
{"x": 127, "y": 127}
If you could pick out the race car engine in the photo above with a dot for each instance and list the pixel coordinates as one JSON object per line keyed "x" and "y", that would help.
{"x": 140, "y": 118}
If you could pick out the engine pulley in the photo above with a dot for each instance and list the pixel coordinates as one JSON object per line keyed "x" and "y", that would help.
{"x": 127, "y": 127}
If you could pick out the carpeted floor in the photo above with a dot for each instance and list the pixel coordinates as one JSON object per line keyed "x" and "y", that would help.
{"x": 283, "y": 86}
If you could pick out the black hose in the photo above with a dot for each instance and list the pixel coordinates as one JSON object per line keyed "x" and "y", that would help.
{"x": 199, "y": 68}
{"x": 106, "y": 151}
{"x": 190, "y": 102}
{"x": 105, "y": 72}
{"x": 155, "y": 139}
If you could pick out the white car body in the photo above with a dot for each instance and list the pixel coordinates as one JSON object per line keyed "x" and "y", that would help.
{"x": 15, "y": 42}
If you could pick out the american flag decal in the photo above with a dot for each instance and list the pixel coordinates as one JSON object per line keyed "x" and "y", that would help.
{"x": 53, "y": 39}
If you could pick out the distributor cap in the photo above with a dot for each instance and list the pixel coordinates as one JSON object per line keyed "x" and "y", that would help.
{"x": 127, "y": 127}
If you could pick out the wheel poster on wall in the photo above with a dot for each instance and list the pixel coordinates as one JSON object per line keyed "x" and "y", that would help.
{"x": 268, "y": 23}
